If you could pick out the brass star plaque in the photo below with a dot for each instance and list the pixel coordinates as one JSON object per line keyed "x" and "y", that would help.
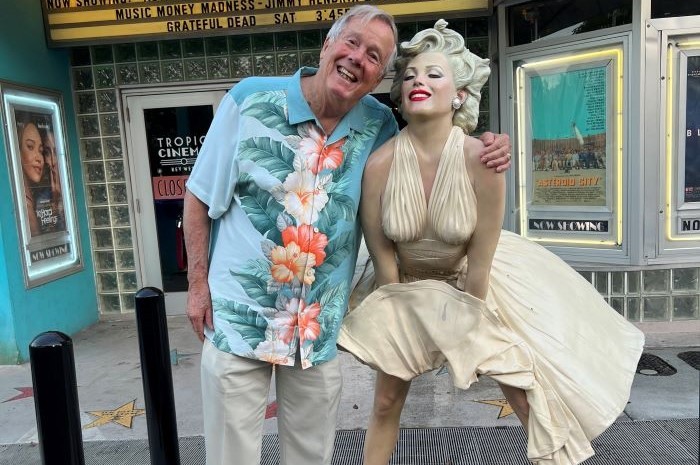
{"x": 506, "y": 409}
{"x": 122, "y": 415}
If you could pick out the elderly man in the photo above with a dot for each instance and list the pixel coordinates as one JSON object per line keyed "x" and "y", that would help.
{"x": 272, "y": 238}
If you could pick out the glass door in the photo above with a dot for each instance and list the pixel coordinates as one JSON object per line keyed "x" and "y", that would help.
{"x": 164, "y": 135}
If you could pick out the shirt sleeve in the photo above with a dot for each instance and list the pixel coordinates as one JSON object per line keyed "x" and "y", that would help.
{"x": 213, "y": 178}
{"x": 388, "y": 130}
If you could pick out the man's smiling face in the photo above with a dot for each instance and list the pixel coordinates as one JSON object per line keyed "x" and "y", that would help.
{"x": 353, "y": 64}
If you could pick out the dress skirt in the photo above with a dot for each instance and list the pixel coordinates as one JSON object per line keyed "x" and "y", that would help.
{"x": 543, "y": 328}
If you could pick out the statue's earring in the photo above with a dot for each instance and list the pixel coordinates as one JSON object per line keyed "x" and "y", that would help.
{"x": 456, "y": 103}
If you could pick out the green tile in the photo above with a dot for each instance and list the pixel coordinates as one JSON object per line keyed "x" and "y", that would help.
{"x": 633, "y": 312}
{"x": 633, "y": 282}
{"x": 149, "y": 73}
{"x": 82, "y": 78}
{"x": 102, "y": 239}
{"x": 618, "y": 282}
{"x": 118, "y": 194}
{"x": 104, "y": 76}
{"x": 286, "y": 41}
{"x": 87, "y": 103}
{"x": 656, "y": 280}
{"x": 241, "y": 66}
{"x": 107, "y": 282}
{"x": 91, "y": 149}
{"x": 216, "y": 46}
{"x": 80, "y": 56}
{"x": 239, "y": 44}
{"x": 310, "y": 39}
{"x": 124, "y": 52}
{"x": 656, "y": 308}
{"x": 685, "y": 279}
{"x": 193, "y": 48}
{"x": 173, "y": 71}
{"x": 102, "y": 54}
{"x": 195, "y": 69}
{"x": 170, "y": 49}
{"x": 107, "y": 100}
{"x": 110, "y": 303}
{"x": 264, "y": 65}
{"x": 601, "y": 282}
{"x": 147, "y": 51}
{"x": 218, "y": 68}
{"x": 263, "y": 42}
{"x": 685, "y": 307}
{"x": 128, "y": 73}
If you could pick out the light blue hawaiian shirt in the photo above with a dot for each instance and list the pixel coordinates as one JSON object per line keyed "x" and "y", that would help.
{"x": 284, "y": 200}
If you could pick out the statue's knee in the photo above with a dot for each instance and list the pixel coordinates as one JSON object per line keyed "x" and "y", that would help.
{"x": 387, "y": 404}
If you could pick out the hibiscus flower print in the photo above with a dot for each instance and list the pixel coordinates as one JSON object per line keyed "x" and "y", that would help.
{"x": 317, "y": 155}
{"x": 289, "y": 263}
{"x": 296, "y": 313}
{"x": 272, "y": 351}
{"x": 284, "y": 323}
{"x": 309, "y": 327}
{"x": 305, "y": 197}
{"x": 308, "y": 239}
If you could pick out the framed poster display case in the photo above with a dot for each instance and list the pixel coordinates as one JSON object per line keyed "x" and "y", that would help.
{"x": 682, "y": 141}
{"x": 569, "y": 139}
{"x": 39, "y": 168}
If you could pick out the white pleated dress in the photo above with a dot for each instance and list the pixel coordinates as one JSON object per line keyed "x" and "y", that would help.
{"x": 543, "y": 328}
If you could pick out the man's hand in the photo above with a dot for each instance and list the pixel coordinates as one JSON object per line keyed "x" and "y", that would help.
{"x": 496, "y": 154}
{"x": 199, "y": 309}
{"x": 196, "y": 224}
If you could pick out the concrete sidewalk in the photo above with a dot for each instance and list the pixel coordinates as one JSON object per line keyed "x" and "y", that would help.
{"x": 663, "y": 405}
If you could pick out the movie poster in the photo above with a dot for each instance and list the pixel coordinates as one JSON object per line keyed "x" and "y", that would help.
{"x": 41, "y": 180}
{"x": 692, "y": 130}
{"x": 38, "y": 158}
{"x": 569, "y": 136}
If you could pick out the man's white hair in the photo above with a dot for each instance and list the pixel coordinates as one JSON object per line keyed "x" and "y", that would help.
{"x": 365, "y": 14}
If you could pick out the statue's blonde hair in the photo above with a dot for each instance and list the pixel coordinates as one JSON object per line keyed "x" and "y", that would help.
{"x": 470, "y": 72}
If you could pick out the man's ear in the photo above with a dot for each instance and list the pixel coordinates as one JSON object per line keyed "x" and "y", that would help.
{"x": 326, "y": 44}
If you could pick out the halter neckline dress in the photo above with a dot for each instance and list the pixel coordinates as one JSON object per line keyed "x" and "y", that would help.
{"x": 542, "y": 328}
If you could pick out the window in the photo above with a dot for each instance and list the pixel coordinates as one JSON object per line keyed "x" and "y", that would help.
{"x": 671, "y": 8}
{"x": 533, "y": 21}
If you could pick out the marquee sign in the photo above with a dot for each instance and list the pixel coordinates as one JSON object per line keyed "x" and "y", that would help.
{"x": 69, "y": 22}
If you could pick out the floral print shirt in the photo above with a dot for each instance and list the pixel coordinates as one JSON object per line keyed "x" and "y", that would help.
{"x": 284, "y": 198}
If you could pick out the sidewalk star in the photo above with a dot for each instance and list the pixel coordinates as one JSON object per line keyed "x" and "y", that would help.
{"x": 24, "y": 392}
{"x": 122, "y": 415}
{"x": 506, "y": 409}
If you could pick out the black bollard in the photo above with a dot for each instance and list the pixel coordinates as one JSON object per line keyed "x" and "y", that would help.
{"x": 56, "y": 399}
{"x": 157, "y": 377}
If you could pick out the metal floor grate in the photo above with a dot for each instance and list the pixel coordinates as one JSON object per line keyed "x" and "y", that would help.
{"x": 653, "y": 365}
{"x": 667, "y": 442}
{"x": 692, "y": 358}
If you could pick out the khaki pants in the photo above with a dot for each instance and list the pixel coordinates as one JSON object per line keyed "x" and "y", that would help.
{"x": 235, "y": 392}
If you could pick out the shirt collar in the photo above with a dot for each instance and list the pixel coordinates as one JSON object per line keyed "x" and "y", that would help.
{"x": 300, "y": 111}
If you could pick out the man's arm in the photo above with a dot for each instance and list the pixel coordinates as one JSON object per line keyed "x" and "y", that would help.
{"x": 197, "y": 224}
{"x": 489, "y": 187}
{"x": 496, "y": 154}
